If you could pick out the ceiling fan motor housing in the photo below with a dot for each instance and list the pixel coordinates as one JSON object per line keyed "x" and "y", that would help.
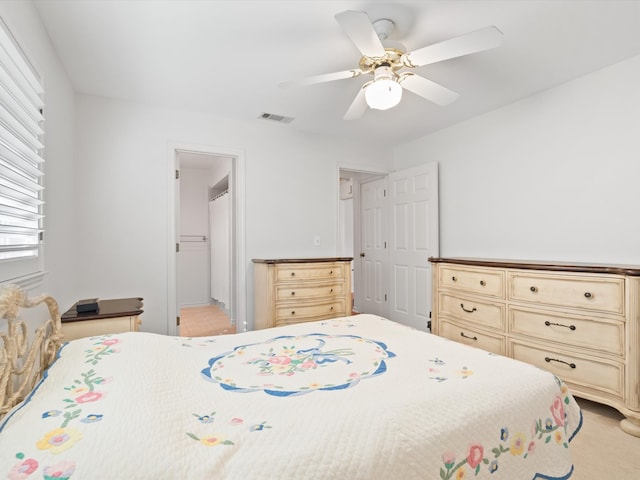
{"x": 383, "y": 28}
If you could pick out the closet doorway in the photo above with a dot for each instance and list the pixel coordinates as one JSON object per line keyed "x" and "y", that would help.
{"x": 204, "y": 281}
{"x": 357, "y": 227}
{"x": 206, "y": 288}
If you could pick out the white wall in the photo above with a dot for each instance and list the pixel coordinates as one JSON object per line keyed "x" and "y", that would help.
{"x": 220, "y": 168}
{"x": 24, "y": 22}
{"x": 122, "y": 199}
{"x": 552, "y": 177}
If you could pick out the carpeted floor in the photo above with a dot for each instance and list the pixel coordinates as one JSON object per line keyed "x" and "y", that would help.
{"x": 601, "y": 450}
{"x": 204, "y": 321}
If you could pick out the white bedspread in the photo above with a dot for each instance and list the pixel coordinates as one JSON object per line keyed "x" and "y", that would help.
{"x": 359, "y": 397}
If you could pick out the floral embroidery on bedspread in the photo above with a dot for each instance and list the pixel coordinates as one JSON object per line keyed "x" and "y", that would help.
{"x": 25, "y": 467}
{"x": 212, "y": 440}
{"x": 293, "y": 365}
{"x": 84, "y": 392}
{"x": 440, "y": 374}
{"x": 552, "y": 430}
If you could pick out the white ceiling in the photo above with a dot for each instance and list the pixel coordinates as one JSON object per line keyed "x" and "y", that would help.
{"x": 228, "y": 57}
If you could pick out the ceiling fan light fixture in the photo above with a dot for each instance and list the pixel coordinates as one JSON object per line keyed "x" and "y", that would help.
{"x": 384, "y": 92}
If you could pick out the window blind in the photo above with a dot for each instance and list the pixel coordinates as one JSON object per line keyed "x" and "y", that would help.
{"x": 21, "y": 160}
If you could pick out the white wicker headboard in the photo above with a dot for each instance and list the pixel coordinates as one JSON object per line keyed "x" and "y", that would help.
{"x": 23, "y": 360}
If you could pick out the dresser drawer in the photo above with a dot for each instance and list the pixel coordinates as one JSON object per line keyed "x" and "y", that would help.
{"x": 472, "y": 310}
{"x": 583, "y": 371}
{"x": 591, "y": 293}
{"x": 597, "y": 333}
{"x": 302, "y": 292}
{"x": 473, "y": 280}
{"x": 296, "y": 312}
{"x": 101, "y": 326}
{"x": 472, "y": 336}
{"x": 301, "y": 272}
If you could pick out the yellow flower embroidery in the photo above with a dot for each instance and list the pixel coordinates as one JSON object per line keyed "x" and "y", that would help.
{"x": 558, "y": 437}
{"x": 59, "y": 440}
{"x": 211, "y": 440}
{"x": 518, "y": 444}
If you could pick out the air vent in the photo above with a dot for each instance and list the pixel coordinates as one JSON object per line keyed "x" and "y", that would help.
{"x": 276, "y": 118}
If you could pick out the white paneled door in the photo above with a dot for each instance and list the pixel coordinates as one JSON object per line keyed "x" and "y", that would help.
{"x": 413, "y": 238}
{"x": 373, "y": 253}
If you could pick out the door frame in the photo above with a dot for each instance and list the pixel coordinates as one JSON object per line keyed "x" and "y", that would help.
{"x": 357, "y": 240}
{"x": 238, "y": 261}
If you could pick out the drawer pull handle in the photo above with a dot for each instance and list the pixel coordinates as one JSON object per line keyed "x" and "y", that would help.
{"x": 331, "y": 308}
{"x": 293, "y": 293}
{"x": 482, "y": 283}
{"x": 570, "y": 327}
{"x": 330, "y": 272}
{"x": 549, "y": 360}
{"x": 588, "y": 295}
{"x": 466, "y": 310}
{"x": 467, "y": 336}
{"x": 293, "y": 312}
{"x": 293, "y": 274}
{"x": 331, "y": 290}
{"x": 454, "y": 279}
{"x": 534, "y": 289}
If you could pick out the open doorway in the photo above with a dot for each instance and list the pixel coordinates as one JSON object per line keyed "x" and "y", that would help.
{"x": 207, "y": 281}
{"x": 204, "y": 272}
{"x": 357, "y": 229}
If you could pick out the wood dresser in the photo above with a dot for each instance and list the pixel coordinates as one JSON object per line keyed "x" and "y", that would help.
{"x": 578, "y": 321}
{"x": 290, "y": 291}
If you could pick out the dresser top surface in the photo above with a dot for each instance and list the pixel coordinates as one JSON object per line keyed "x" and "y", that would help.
{"x": 631, "y": 270}
{"x": 302, "y": 260}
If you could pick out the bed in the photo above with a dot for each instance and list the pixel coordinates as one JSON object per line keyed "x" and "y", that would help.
{"x": 357, "y": 397}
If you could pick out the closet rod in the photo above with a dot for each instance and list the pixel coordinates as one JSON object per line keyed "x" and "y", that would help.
{"x": 202, "y": 238}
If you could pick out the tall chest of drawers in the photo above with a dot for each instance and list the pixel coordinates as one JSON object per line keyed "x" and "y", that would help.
{"x": 581, "y": 322}
{"x": 290, "y": 291}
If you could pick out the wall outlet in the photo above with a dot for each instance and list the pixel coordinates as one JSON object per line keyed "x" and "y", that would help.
{"x": 316, "y": 241}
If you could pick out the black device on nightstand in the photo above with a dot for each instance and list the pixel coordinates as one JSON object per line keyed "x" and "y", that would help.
{"x": 87, "y": 305}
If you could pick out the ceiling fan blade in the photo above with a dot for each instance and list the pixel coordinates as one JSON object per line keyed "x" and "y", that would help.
{"x": 427, "y": 89}
{"x": 358, "y": 27}
{"x": 327, "y": 77}
{"x": 477, "y": 41}
{"x": 358, "y": 106}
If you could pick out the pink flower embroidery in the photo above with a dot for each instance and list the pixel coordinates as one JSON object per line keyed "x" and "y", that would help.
{"x": 476, "y": 452}
{"x": 448, "y": 458}
{"x": 280, "y": 360}
{"x": 23, "y": 469}
{"x": 557, "y": 410}
{"x": 60, "y": 471}
{"x": 111, "y": 341}
{"x": 89, "y": 397}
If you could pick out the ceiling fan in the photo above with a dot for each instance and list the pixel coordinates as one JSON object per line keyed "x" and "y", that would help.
{"x": 391, "y": 65}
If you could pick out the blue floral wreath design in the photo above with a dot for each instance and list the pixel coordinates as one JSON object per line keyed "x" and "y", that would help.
{"x": 286, "y": 360}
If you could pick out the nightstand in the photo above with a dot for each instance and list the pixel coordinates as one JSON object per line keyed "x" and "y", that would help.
{"x": 113, "y": 316}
